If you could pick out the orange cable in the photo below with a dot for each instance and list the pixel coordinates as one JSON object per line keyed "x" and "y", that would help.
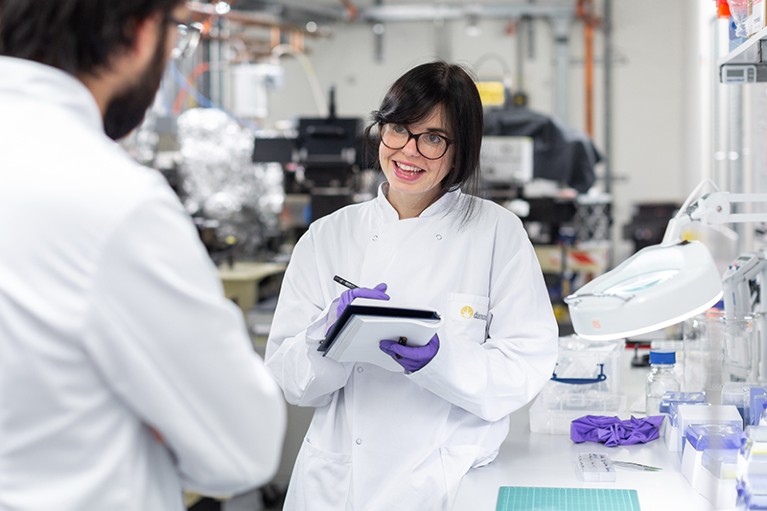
{"x": 201, "y": 68}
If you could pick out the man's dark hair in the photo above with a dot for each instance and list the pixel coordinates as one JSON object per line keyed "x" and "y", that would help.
{"x": 76, "y": 36}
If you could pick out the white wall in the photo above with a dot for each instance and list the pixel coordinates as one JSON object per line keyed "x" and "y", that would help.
{"x": 656, "y": 141}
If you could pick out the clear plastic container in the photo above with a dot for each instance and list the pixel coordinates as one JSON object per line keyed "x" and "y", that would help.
{"x": 680, "y": 397}
{"x": 662, "y": 379}
{"x": 748, "y": 397}
{"x": 703, "y": 366}
{"x": 553, "y": 410}
{"x": 741, "y": 350}
{"x": 722, "y": 463}
{"x": 713, "y": 436}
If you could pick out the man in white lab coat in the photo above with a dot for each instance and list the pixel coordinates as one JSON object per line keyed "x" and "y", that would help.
{"x": 125, "y": 375}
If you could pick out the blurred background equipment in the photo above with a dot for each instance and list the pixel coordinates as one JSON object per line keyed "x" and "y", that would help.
{"x": 322, "y": 164}
{"x": 234, "y": 201}
{"x": 560, "y": 152}
{"x": 648, "y": 223}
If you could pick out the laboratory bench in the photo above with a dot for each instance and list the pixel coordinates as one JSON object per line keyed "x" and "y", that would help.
{"x": 539, "y": 459}
{"x": 545, "y": 460}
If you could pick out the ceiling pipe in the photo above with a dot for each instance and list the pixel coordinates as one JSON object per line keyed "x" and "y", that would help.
{"x": 260, "y": 19}
{"x": 585, "y": 11}
{"x": 426, "y": 12}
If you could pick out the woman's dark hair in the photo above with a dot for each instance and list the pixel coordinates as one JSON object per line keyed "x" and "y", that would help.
{"x": 76, "y": 36}
{"x": 415, "y": 95}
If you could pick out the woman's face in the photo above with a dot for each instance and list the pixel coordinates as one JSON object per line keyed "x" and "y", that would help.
{"x": 414, "y": 180}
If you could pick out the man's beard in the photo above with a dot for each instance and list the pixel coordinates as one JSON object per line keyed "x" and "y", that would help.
{"x": 127, "y": 109}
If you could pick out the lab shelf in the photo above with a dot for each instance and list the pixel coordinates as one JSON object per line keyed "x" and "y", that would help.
{"x": 747, "y": 63}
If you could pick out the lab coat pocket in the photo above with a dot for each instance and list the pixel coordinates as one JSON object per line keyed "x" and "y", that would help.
{"x": 467, "y": 316}
{"x": 320, "y": 479}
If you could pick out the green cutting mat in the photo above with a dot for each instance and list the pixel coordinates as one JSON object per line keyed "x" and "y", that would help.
{"x": 523, "y": 498}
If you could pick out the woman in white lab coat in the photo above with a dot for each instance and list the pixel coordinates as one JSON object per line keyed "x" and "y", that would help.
{"x": 382, "y": 440}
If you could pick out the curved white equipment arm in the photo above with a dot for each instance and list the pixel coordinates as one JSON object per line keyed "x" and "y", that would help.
{"x": 714, "y": 208}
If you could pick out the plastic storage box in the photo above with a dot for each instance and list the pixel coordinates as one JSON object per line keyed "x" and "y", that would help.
{"x": 586, "y": 381}
{"x": 588, "y": 365}
{"x": 552, "y": 411}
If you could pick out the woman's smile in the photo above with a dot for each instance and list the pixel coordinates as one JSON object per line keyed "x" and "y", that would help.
{"x": 407, "y": 171}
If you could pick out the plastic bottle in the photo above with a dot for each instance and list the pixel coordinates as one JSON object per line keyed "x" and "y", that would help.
{"x": 661, "y": 379}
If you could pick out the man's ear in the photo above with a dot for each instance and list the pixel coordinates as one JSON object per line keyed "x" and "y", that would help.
{"x": 146, "y": 34}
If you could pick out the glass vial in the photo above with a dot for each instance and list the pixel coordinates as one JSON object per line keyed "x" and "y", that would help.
{"x": 662, "y": 378}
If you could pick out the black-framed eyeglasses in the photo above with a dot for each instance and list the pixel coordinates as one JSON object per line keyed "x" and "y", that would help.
{"x": 187, "y": 39}
{"x": 431, "y": 145}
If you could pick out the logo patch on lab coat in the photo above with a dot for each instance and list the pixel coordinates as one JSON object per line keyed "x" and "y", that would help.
{"x": 468, "y": 313}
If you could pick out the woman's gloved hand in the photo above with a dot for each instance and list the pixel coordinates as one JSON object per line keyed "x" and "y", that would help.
{"x": 412, "y": 358}
{"x": 377, "y": 293}
{"x": 348, "y": 296}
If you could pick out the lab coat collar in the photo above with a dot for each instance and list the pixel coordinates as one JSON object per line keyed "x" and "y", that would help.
{"x": 440, "y": 206}
{"x": 43, "y": 84}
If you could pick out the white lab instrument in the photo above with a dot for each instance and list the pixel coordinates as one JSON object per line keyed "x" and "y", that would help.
{"x": 250, "y": 86}
{"x": 745, "y": 312}
{"x": 662, "y": 284}
{"x": 507, "y": 160}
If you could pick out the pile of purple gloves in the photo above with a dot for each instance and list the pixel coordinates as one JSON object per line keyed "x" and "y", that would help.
{"x": 411, "y": 358}
{"x": 613, "y": 431}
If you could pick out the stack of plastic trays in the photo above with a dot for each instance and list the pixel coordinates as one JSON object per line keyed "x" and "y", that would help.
{"x": 670, "y": 405}
{"x": 752, "y": 469}
{"x": 757, "y": 403}
{"x": 747, "y": 498}
{"x": 680, "y": 397}
{"x": 689, "y": 415}
{"x": 702, "y": 437}
{"x": 717, "y": 481}
{"x": 748, "y": 398}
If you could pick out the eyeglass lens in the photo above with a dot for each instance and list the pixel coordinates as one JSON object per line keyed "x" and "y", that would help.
{"x": 186, "y": 40}
{"x": 429, "y": 144}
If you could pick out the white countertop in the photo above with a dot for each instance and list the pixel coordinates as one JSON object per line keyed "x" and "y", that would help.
{"x": 536, "y": 459}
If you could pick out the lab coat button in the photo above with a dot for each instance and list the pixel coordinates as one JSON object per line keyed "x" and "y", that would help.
{"x": 358, "y": 441}
{"x": 359, "y": 369}
{"x": 375, "y": 237}
{"x": 439, "y": 236}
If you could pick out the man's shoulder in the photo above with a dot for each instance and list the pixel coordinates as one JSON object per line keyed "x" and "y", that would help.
{"x": 116, "y": 174}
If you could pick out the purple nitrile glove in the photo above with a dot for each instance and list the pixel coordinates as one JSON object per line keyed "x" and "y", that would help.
{"x": 377, "y": 293}
{"x": 612, "y": 431}
{"x": 412, "y": 358}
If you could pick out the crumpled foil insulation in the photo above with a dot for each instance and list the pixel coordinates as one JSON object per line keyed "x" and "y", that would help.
{"x": 221, "y": 183}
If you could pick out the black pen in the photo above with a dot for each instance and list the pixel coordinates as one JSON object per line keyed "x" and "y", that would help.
{"x": 344, "y": 282}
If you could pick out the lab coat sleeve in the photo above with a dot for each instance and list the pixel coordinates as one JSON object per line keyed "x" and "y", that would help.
{"x": 494, "y": 378}
{"x": 178, "y": 355}
{"x": 300, "y": 322}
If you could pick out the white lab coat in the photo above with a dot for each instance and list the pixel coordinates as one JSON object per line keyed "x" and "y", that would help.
{"x": 381, "y": 440}
{"x": 112, "y": 320}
